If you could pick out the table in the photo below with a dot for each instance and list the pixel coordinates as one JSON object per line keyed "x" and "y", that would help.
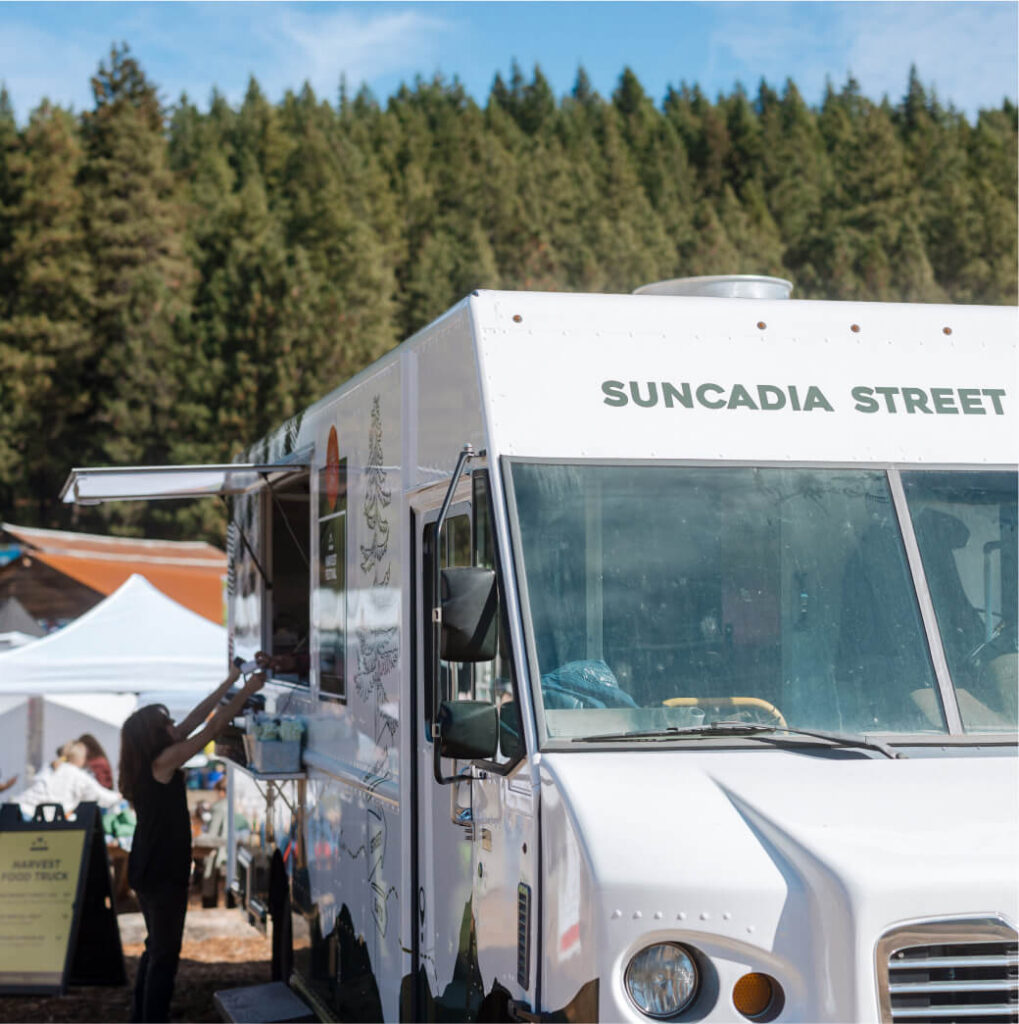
{"x": 269, "y": 785}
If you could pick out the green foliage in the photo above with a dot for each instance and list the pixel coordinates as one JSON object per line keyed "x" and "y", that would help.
{"x": 141, "y": 276}
{"x": 45, "y": 338}
{"x": 175, "y": 282}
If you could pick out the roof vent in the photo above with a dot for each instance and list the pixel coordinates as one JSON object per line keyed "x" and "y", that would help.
{"x": 724, "y": 286}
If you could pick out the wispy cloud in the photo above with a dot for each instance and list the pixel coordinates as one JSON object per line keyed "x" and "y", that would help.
{"x": 63, "y": 76}
{"x": 321, "y": 48}
{"x": 750, "y": 41}
{"x": 886, "y": 38}
{"x": 967, "y": 51}
{"x": 285, "y": 45}
{"x": 194, "y": 47}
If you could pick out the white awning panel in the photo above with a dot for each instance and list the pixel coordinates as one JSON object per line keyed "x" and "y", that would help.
{"x": 148, "y": 483}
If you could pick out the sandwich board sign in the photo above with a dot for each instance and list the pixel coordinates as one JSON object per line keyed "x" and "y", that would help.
{"x": 58, "y": 925}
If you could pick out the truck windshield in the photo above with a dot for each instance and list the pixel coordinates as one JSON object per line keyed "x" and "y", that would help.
{"x": 665, "y": 596}
{"x": 965, "y": 525}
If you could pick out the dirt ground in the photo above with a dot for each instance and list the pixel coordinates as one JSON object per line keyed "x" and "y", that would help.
{"x": 220, "y": 951}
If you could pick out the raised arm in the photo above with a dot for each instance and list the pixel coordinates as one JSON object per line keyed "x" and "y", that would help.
{"x": 200, "y": 712}
{"x": 175, "y": 755}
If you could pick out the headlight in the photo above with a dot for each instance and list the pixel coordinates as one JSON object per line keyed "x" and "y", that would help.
{"x": 662, "y": 980}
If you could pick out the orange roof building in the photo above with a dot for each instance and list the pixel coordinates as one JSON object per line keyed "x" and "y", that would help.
{"x": 60, "y": 575}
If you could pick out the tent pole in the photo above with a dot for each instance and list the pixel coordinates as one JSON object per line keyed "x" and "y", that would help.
{"x": 35, "y": 716}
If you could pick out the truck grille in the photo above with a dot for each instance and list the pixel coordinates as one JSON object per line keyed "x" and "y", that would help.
{"x": 965, "y": 971}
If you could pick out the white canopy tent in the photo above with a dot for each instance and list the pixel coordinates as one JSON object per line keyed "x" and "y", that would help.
{"x": 17, "y": 627}
{"x": 64, "y": 717}
{"x": 136, "y": 647}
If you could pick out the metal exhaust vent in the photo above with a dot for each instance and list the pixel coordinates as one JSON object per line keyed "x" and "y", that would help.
{"x": 724, "y": 286}
{"x": 524, "y": 935}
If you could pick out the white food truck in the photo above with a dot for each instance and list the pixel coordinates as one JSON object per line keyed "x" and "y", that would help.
{"x": 658, "y": 659}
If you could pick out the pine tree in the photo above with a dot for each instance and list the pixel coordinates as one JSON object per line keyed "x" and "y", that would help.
{"x": 17, "y": 370}
{"x": 258, "y": 140}
{"x": 583, "y": 91}
{"x": 631, "y": 244}
{"x": 991, "y": 275}
{"x": 141, "y": 275}
{"x": 869, "y": 199}
{"x": 328, "y": 214}
{"x": 798, "y": 184}
{"x": 537, "y": 107}
{"x": 715, "y": 149}
{"x": 746, "y": 153}
{"x": 50, "y": 305}
{"x": 172, "y": 286}
{"x": 9, "y": 149}
{"x": 710, "y": 250}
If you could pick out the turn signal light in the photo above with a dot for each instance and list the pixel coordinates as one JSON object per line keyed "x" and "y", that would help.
{"x": 754, "y": 994}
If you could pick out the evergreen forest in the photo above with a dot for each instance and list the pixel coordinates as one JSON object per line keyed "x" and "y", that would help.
{"x": 177, "y": 280}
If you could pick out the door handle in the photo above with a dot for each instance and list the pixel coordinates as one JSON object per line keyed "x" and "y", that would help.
{"x": 462, "y": 814}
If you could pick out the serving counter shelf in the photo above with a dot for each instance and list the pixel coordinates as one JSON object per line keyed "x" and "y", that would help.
{"x": 247, "y": 864}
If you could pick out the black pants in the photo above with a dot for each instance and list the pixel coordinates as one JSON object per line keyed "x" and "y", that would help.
{"x": 163, "y": 910}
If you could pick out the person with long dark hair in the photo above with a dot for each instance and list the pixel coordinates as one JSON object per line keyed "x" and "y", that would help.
{"x": 153, "y": 751}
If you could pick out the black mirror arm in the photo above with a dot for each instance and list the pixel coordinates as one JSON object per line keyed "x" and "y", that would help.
{"x": 466, "y": 454}
{"x": 442, "y": 780}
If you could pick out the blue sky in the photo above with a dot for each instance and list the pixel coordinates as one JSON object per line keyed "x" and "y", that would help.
{"x": 966, "y": 51}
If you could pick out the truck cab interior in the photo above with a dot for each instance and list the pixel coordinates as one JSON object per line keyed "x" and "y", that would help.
{"x": 768, "y": 595}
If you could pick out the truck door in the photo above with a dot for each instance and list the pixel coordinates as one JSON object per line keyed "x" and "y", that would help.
{"x": 444, "y": 826}
{"x": 477, "y": 842}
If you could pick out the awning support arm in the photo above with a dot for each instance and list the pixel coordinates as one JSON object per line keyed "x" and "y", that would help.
{"x": 286, "y": 521}
{"x": 247, "y": 545}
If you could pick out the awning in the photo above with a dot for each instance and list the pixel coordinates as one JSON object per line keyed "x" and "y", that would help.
{"x": 150, "y": 483}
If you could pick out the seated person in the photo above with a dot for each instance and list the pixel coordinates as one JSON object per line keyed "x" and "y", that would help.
{"x": 584, "y": 684}
{"x": 215, "y": 831}
{"x": 96, "y": 760}
{"x": 66, "y": 783}
{"x": 199, "y": 819}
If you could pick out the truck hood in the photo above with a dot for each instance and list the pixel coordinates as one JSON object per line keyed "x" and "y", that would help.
{"x": 770, "y": 860}
{"x": 920, "y": 835}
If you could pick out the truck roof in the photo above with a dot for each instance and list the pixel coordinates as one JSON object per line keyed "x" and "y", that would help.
{"x": 693, "y": 378}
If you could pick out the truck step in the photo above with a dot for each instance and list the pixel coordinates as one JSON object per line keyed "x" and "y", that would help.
{"x": 262, "y": 1004}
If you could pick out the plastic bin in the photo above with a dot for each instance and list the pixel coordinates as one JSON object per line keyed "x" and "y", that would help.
{"x": 274, "y": 756}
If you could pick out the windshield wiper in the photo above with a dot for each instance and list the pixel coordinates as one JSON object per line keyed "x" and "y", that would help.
{"x": 841, "y": 739}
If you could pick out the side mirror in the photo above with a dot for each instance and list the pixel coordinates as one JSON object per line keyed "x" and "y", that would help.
{"x": 470, "y": 602}
{"x": 468, "y": 729}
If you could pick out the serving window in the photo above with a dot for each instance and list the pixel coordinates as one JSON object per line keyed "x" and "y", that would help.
{"x": 287, "y": 632}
